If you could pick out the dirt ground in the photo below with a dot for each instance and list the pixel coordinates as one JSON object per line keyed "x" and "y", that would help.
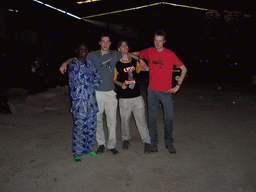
{"x": 214, "y": 133}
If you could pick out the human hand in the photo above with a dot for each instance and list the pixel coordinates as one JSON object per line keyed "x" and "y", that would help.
{"x": 63, "y": 68}
{"x": 123, "y": 85}
{"x": 143, "y": 65}
{"x": 174, "y": 89}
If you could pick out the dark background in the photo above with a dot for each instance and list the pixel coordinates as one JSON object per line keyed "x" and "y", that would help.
{"x": 214, "y": 47}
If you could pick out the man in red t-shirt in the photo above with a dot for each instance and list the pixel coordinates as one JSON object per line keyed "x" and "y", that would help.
{"x": 160, "y": 62}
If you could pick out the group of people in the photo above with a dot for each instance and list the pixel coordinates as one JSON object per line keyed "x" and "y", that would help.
{"x": 92, "y": 79}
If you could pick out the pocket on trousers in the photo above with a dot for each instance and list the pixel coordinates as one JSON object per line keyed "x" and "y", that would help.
{"x": 113, "y": 92}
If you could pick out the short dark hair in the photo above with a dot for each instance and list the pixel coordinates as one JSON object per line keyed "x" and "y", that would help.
{"x": 105, "y": 34}
{"x": 79, "y": 45}
{"x": 160, "y": 33}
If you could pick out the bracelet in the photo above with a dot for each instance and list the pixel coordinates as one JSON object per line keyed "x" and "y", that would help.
{"x": 178, "y": 84}
{"x": 139, "y": 59}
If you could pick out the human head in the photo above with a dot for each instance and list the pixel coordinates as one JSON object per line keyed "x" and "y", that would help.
{"x": 160, "y": 33}
{"x": 122, "y": 46}
{"x": 82, "y": 50}
{"x": 159, "y": 39}
{"x": 105, "y": 41}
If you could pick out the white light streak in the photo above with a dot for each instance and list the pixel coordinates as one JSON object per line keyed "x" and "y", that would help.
{"x": 38, "y": 1}
{"x": 73, "y": 15}
{"x": 62, "y": 11}
{"x": 134, "y": 8}
{"x": 88, "y": 1}
{"x": 49, "y": 6}
{"x": 144, "y": 6}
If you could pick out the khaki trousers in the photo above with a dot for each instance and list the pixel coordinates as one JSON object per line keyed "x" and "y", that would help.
{"x": 137, "y": 106}
{"x": 107, "y": 103}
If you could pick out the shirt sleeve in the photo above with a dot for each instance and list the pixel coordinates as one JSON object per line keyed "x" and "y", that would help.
{"x": 89, "y": 56}
{"x": 115, "y": 74}
{"x": 138, "y": 67}
{"x": 177, "y": 62}
{"x": 143, "y": 54}
{"x": 119, "y": 55}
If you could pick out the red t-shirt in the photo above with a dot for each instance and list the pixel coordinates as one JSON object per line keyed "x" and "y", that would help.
{"x": 160, "y": 67}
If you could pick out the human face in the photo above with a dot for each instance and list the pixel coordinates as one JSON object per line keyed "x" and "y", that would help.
{"x": 159, "y": 42}
{"x": 124, "y": 48}
{"x": 105, "y": 43}
{"x": 82, "y": 50}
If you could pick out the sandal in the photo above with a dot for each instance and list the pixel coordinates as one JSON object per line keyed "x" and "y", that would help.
{"x": 93, "y": 153}
{"x": 77, "y": 159}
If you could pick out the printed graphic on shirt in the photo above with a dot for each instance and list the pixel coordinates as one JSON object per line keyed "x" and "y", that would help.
{"x": 106, "y": 64}
{"x": 128, "y": 82}
{"x": 129, "y": 70}
{"x": 159, "y": 63}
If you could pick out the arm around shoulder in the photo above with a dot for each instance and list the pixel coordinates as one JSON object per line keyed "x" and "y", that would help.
{"x": 63, "y": 67}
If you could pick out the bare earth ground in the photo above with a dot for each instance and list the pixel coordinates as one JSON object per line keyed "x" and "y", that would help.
{"x": 214, "y": 136}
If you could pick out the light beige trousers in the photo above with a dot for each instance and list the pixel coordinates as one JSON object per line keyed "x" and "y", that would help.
{"x": 137, "y": 107}
{"x": 107, "y": 103}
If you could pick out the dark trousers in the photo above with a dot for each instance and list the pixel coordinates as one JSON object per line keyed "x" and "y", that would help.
{"x": 153, "y": 100}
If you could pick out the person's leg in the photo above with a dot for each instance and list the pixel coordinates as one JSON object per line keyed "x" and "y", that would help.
{"x": 110, "y": 111}
{"x": 153, "y": 101}
{"x": 90, "y": 133}
{"x": 100, "y": 136}
{"x": 166, "y": 99}
{"x": 138, "y": 108}
{"x": 125, "y": 114}
{"x": 78, "y": 136}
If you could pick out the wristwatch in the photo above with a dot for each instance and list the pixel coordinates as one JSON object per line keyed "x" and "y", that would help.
{"x": 179, "y": 84}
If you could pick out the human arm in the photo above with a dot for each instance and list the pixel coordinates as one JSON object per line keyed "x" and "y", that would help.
{"x": 122, "y": 85}
{"x": 182, "y": 76}
{"x": 142, "y": 62}
{"x": 136, "y": 53}
{"x": 63, "y": 67}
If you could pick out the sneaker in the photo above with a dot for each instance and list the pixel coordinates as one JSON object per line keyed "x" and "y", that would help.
{"x": 171, "y": 149}
{"x": 154, "y": 148}
{"x": 100, "y": 149}
{"x": 126, "y": 144}
{"x": 77, "y": 159}
{"x": 147, "y": 148}
{"x": 114, "y": 151}
{"x": 92, "y": 153}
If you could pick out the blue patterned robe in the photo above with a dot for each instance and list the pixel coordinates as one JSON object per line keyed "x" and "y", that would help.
{"x": 83, "y": 81}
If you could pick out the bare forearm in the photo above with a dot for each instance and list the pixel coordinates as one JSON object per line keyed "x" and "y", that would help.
{"x": 122, "y": 85}
{"x": 183, "y": 74}
{"x": 134, "y": 55}
{"x": 67, "y": 62}
{"x": 63, "y": 67}
{"x": 118, "y": 83}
